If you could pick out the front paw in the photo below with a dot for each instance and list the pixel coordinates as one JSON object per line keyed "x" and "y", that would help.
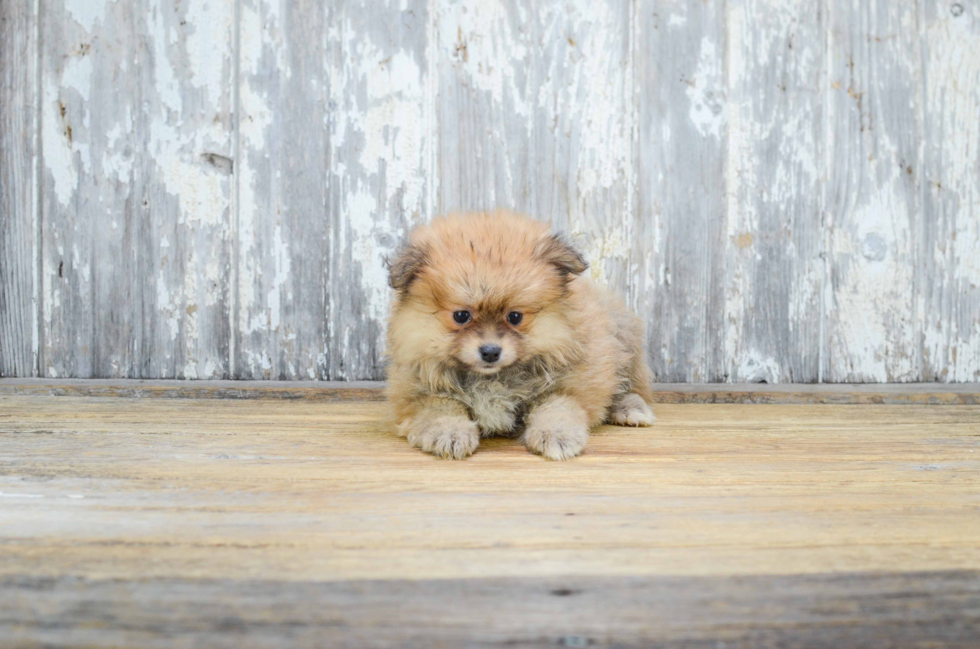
{"x": 557, "y": 430}
{"x": 631, "y": 410}
{"x": 451, "y": 437}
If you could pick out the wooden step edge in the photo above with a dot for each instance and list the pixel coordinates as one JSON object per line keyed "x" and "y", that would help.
{"x": 883, "y": 393}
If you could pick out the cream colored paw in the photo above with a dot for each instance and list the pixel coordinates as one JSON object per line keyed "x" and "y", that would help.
{"x": 631, "y": 410}
{"x": 556, "y": 429}
{"x": 451, "y": 437}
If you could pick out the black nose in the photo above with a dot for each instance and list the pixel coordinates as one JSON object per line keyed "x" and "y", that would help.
{"x": 490, "y": 353}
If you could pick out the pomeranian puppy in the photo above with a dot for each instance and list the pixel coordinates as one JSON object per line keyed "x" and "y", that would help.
{"x": 494, "y": 331}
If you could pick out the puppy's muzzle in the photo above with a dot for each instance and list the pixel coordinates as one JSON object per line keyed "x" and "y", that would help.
{"x": 490, "y": 353}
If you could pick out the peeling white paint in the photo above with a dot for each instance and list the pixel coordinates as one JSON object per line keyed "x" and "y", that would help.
{"x": 481, "y": 39}
{"x": 606, "y": 246}
{"x": 374, "y": 277}
{"x": 392, "y": 124}
{"x": 117, "y": 158}
{"x": 165, "y": 79}
{"x": 706, "y": 91}
{"x": 755, "y": 367}
{"x": 380, "y": 138}
{"x": 873, "y": 294}
{"x": 208, "y": 25}
{"x": 951, "y": 314}
{"x": 87, "y": 13}
{"x": 280, "y": 253}
{"x": 66, "y": 101}
{"x": 165, "y": 304}
{"x": 546, "y": 95}
{"x": 773, "y": 173}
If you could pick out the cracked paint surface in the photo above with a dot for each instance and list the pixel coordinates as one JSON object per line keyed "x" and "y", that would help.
{"x": 782, "y": 194}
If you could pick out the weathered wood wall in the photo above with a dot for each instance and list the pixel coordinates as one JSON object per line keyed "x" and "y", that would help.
{"x": 786, "y": 190}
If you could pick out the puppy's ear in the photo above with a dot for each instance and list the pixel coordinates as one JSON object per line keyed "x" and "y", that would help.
{"x": 406, "y": 265}
{"x": 558, "y": 252}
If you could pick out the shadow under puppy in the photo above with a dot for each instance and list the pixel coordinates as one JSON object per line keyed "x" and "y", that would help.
{"x": 495, "y": 332}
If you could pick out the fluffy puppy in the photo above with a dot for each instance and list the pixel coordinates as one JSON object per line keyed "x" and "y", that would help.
{"x": 495, "y": 332}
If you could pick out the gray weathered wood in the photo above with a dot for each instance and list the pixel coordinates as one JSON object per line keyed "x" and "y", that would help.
{"x": 380, "y": 170}
{"x": 786, "y": 192}
{"x": 535, "y": 114}
{"x": 797, "y": 393}
{"x": 828, "y": 611}
{"x": 136, "y": 114}
{"x": 186, "y": 147}
{"x": 18, "y": 191}
{"x": 873, "y": 190}
{"x": 283, "y": 312}
{"x": 91, "y": 190}
{"x": 774, "y": 240}
{"x": 949, "y": 266}
{"x": 679, "y": 249}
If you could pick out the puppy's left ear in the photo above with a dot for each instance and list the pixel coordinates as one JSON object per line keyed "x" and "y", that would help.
{"x": 406, "y": 265}
{"x": 558, "y": 252}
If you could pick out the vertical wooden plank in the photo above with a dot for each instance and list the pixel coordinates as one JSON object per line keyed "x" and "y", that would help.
{"x": 137, "y": 167}
{"x": 284, "y": 225}
{"x": 535, "y": 114}
{"x": 949, "y": 306}
{"x": 679, "y": 250}
{"x": 485, "y": 63}
{"x": 187, "y": 125}
{"x": 582, "y": 130}
{"x": 774, "y": 179}
{"x": 90, "y": 185}
{"x": 18, "y": 192}
{"x": 873, "y": 201}
{"x": 379, "y": 126}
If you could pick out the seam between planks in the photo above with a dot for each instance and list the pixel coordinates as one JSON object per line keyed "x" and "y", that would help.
{"x": 37, "y": 250}
{"x": 919, "y": 238}
{"x": 825, "y": 217}
{"x": 632, "y": 277}
{"x": 233, "y": 296}
{"x": 430, "y": 107}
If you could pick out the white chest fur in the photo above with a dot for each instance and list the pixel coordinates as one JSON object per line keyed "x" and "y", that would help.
{"x": 494, "y": 406}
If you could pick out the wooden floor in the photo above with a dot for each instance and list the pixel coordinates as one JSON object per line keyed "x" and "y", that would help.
{"x": 276, "y": 523}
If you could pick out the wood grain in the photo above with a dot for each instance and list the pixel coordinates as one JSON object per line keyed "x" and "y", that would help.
{"x": 137, "y": 153}
{"x": 92, "y": 191}
{"x": 874, "y": 195}
{"x": 188, "y": 100}
{"x": 148, "y": 522}
{"x": 774, "y": 239}
{"x": 883, "y": 394}
{"x": 679, "y": 248}
{"x": 784, "y": 191}
{"x": 534, "y": 114}
{"x": 283, "y": 289}
{"x": 380, "y": 167}
{"x": 950, "y": 264}
{"x": 915, "y": 610}
{"x": 18, "y": 189}
{"x": 182, "y": 389}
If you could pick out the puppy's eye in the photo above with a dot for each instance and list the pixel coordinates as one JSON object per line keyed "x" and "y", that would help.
{"x": 462, "y": 316}
{"x": 515, "y": 317}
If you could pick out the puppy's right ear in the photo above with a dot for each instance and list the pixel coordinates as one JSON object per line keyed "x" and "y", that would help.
{"x": 566, "y": 259}
{"x": 406, "y": 265}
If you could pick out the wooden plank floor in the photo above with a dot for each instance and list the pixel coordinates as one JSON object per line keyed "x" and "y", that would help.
{"x": 273, "y": 523}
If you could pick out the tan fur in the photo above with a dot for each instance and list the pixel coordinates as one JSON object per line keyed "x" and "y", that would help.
{"x": 575, "y": 360}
